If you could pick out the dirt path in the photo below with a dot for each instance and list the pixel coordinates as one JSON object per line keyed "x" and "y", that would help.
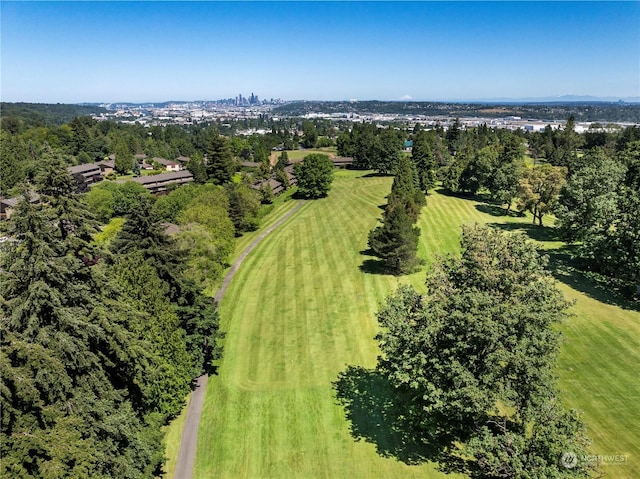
{"x": 188, "y": 442}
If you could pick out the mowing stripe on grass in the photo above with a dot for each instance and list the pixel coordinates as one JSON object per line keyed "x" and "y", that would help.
{"x": 188, "y": 441}
{"x": 302, "y": 298}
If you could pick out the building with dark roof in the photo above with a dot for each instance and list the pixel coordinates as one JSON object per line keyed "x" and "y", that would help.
{"x": 342, "y": 161}
{"x": 89, "y": 173}
{"x": 8, "y": 204}
{"x": 159, "y": 184}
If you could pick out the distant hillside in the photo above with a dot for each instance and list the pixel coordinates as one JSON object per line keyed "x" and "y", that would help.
{"x": 587, "y": 111}
{"x": 42, "y": 114}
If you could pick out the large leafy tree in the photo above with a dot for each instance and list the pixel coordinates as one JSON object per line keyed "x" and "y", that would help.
{"x": 600, "y": 208}
{"x": 364, "y": 149}
{"x": 315, "y": 175}
{"x": 505, "y": 183}
{"x": 539, "y": 190}
{"x": 474, "y": 361}
{"x": 310, "y": 133}
{"x": 588, "y": 203}
{"x": 478, "y": 170}
{"x": 388, "y": 149}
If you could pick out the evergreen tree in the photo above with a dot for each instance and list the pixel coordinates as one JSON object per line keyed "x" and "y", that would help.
{"x": 283, "y": 160}
{"x": 396, "y": 241}
{"x": 424, "y": 159}
{"x": 405, "y": 190}
{"x": 66, "y": 353}
{"x": 14, "y": 161}
{"x": 244, "y": 207}
{"x": 143, "y": 234}
{"x": 166, "y": 384}
{"x": 219, "y": 165}
{"x": 142, "y": 238}
{"x": 124, "y": 158}
{"x": 197, "y": 168}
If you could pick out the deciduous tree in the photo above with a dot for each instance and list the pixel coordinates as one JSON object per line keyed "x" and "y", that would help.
{"x": 539, "y": 190}
{"x": 310, "y": 133}
{"x": 474, "y": 361}
{"x": 315, "y": 175}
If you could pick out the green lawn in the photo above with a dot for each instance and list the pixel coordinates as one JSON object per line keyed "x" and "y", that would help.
{"x": 300, "y": 154}
{"x": 302, "y": 308}
{"x": 172, "y": 437}
{"x": 281, "y": 205}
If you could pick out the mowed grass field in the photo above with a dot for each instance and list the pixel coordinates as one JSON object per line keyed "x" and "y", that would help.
{"x": 302, "y": 308}
{"x": 297, "y": 155}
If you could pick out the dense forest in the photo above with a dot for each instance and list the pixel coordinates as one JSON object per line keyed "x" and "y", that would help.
{"x": 107, "y": 319}
{"x": 43, "y": 114}
{"x": 100, "y": 339}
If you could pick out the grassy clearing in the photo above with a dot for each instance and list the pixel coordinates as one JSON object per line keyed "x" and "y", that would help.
{"x": 172, "y": 437}
{"x": 300, "y": 154}
{"x": 302, "y": 307}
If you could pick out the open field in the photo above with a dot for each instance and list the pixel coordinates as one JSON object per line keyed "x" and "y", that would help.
{"x": 295, "y": 155}
{"x": 302, "y": 308}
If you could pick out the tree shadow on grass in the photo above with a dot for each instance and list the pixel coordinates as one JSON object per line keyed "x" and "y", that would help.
{"x": 375, "y": 411}
{"x": 535, "y": 232}
{"x": 481, "y": 197}
{"x": 573, "y": 272}
{"x": 570, "y": 270}
{"x": 373, "y": 266}
{"x": 495, "y": 210}
{"x": 375, "y": 174}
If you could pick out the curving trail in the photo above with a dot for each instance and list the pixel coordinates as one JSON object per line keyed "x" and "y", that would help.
{"x": 189, "y": 440}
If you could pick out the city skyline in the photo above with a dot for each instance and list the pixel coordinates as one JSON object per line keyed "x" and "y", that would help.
{"x": 71, "y": 52}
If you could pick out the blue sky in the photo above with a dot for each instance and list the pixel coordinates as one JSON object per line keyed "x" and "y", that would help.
{"x": 156, "y": 51}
